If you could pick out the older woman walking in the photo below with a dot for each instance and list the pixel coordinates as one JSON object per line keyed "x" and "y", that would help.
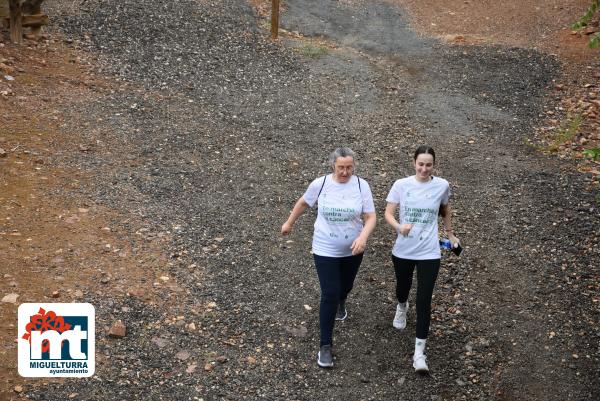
{"x": 345, "y": 219}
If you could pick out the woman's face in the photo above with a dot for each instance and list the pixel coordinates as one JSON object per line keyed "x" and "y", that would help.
{"x": 343, "y": 169}
{"x": 424, "y": 166}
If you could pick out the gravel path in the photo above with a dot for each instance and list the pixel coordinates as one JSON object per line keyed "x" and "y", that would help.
{"x": 215, "y": 131}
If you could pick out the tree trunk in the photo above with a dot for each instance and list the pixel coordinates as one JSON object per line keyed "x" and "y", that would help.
{"x": 16, "y": 27}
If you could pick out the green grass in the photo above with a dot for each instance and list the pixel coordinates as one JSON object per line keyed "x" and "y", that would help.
{"x": 585, "y": 19}
{"x": 312, "y": 50}
{"x": 566, "y": 131}
{"x": 593, "y": 153}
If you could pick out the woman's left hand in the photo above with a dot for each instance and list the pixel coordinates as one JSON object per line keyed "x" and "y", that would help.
{"x": 454, "y": 239}
{"x": 358, "y": 246}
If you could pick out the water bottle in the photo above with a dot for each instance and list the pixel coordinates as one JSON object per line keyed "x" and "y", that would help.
{"x": 445, "y": 243}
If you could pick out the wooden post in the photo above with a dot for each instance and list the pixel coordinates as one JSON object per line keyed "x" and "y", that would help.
{"x": 16, "y": 16}
{"x": 275, "y": 19}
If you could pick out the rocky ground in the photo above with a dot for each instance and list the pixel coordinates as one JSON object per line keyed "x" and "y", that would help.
{"x": 172, "y": 141}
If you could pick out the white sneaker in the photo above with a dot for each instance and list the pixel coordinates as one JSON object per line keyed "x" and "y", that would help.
{"x": 400, "y": 318}
{"x": 420, "y": 364}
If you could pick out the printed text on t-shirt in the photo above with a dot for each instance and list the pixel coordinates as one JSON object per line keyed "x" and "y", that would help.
{"x": 416, "y": 215}
{"x": 337, "y": 215}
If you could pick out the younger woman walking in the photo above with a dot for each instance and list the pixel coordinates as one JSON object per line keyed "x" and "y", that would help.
{"x": 420, "y": 198}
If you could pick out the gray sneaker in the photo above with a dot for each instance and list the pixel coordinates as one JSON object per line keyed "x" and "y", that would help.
{"x": 325, "y": 357}
{"x": 341, "y": 313}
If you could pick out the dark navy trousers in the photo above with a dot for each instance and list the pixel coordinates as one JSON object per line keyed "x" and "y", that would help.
{"x": 336, "y": 277}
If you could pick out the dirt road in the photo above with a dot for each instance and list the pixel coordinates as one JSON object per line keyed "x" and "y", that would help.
{"x": 191, "y": 134}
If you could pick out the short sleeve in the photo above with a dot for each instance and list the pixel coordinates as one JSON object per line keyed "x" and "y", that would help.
{"x": 367, "y": 198}
{"x": 312, "y": 192}
{"x": 395, "y": 193}
{"x": 446, "y": 194}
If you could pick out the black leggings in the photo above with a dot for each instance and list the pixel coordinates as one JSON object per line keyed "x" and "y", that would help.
{"x": 427, "y": 271}
{"x": 336, "y": 277}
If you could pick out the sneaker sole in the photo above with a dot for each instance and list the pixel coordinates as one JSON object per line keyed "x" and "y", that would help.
{"x": 342, "y": 318}
{"x": 323, "y": 365}
{"x": 422, "y": 371}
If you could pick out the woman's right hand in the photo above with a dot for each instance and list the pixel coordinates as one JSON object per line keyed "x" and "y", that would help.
{"x": 404, "y": 229}
{"x": 454, "y": 239}
{"x": 299, "y": 208}
{"x": 286, "y": 228}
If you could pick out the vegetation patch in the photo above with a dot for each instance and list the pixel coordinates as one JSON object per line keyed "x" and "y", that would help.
{"x": 585, "y": 21}
{"x": 313, "y": 50}
{"x": 566, "y": 131}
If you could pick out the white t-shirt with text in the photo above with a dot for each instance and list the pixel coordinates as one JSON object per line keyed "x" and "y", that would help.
{"x": 339, "y": 217}
{"x": 419, "y": 204}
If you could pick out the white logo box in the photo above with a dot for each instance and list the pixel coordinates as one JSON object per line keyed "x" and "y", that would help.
{"x": 75, "y": 358}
